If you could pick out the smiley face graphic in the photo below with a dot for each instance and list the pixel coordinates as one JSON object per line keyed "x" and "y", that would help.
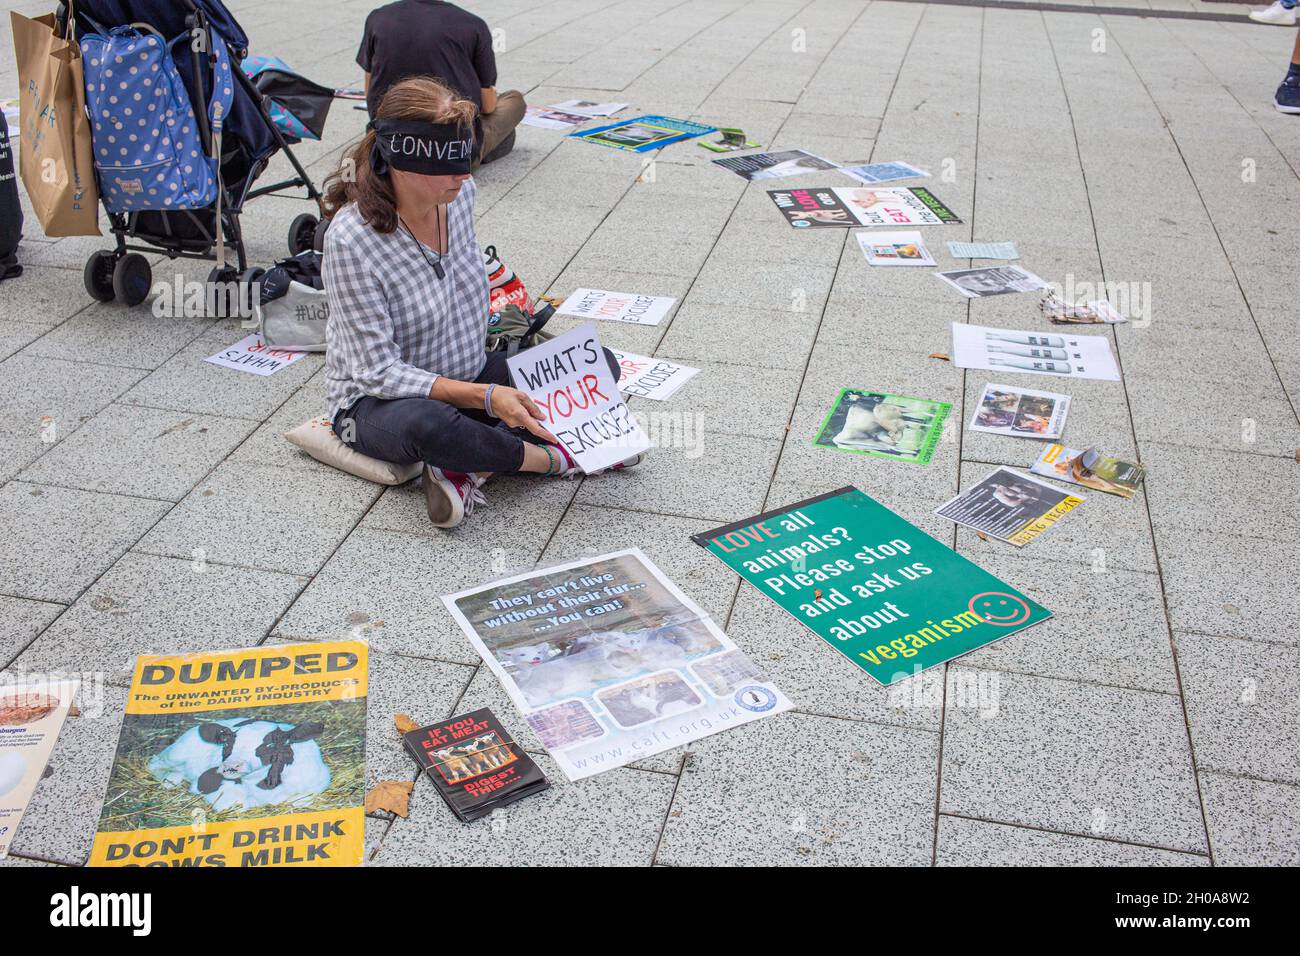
{"x": 1000, "y": 609}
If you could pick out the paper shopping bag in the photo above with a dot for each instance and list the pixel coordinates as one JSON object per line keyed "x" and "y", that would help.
{"x": 55, "y": 153}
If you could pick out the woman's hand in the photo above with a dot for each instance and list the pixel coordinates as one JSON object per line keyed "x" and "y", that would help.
{"x": 519, "y": 411}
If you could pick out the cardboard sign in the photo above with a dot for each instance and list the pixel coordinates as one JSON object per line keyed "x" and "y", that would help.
{"x": 252, "y": 757}
{"x": 251, "y": 354}
{"x": 570, "y": 381}
{"x": 31, "y": 716}
{"x": 617, "y": 306}
{"x": 648, "y": 377}
{"x": 876, "y": 588}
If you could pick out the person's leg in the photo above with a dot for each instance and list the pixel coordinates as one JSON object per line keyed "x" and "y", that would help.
{"x": 1287, "y": 98}
{"x": 499, "y": 126}
{"x": 407, "y": 430}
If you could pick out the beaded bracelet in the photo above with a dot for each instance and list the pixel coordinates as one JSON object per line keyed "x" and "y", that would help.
{"x": 552, "y": 465}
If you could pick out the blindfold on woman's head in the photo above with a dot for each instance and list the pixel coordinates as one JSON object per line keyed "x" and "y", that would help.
{"x": 432, "y": 149}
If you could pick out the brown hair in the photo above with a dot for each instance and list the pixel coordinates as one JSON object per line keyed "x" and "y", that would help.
{"x": 414, "y": 98}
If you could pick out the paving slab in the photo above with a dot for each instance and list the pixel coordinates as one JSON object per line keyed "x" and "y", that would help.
{"x": 57, "y": 541}
{"x": 133, "y": 450}
{"x": 146, "y": 604}
{"x": 1243, "y": 701}
{"x": 553, "y": 828}
{"x": 1075, "y": 758}
{"x": 1251, "y": 822}
{"x": 727, "y": 813}
{"x": 963, "y": 842}
{"x": 21, "y": 620}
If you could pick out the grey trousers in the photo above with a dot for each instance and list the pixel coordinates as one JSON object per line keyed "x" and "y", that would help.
{"x": 501, "y": 122}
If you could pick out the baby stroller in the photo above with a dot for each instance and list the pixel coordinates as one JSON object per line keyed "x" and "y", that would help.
{"x": 206, "y": 45}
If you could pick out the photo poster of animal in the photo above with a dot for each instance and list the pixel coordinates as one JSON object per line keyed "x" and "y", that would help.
{"x": 1063, "y": 354}
{"x": 474, "y": 764}
{"x": 1020, "y": 412}
{"x": 1010, "y": 506}
{"x": 31, "y": 716}
{"x": 569, "y": 379}
{"x": 640, "y": 134}
{"x": 883, "y": 593}
{"x": 850, "y": 207}
{"x": 608, "y": 661}
{"x": 905, "y": 248}
{"x": 790, "y": 162}
{"x": 239, "y": 758}
{"x": 884, "y": 426}
{"x": 1089, "y": 468}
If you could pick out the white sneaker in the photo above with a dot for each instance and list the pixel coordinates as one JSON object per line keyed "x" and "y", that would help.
{"x": 1276, "y": 14}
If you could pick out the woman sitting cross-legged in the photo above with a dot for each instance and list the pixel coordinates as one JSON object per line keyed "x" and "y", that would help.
{"x": 408, "y": 374}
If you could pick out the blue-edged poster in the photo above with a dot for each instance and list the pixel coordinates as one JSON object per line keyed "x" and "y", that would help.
{"x": 642, "y": 133}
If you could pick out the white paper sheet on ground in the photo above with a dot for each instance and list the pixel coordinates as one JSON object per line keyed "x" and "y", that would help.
{"x": 1056, "y": 353}
{"x": 251, "y": 354}
{"x": 570, "y": 381}
{"x": 1020, "y": 412}
{"x": 588, "y": 108}
{"x": 649, "y": 377}
{"x": 31, "y": 716}
{"x": 617, "y": 306}
{"x": 992, "y": 280}
{"x": 883, "y": 172}
{"x": 610, "y": 662}
{"x": 894, "y": 249}
{"x": 983, "y": 250}
{"x": 547, "y": 118}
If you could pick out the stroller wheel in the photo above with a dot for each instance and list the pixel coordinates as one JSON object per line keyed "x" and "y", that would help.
{"x": 98, "y": 275}
{"x": 302, "y": 232}
{"x": 318, "y": 237}
{"x": 132, "y": 279}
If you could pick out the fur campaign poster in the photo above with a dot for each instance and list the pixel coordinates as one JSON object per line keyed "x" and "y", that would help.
{"x": 241, "y": 758}
{"x": 610, "y": 662}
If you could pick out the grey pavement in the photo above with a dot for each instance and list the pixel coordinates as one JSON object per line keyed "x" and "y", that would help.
{"x": 149, "y": 505}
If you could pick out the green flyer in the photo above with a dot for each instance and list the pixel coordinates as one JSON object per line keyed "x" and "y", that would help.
{"x": 883, "y": 425}
{"x": 875, "y": 587}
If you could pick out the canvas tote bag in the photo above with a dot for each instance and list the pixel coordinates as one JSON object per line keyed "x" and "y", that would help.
{"x": 54, "y": 148}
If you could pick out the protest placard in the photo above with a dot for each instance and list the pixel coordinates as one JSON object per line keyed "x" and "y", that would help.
{"x": 991, "y": 280}
{"x": 642, "y": 133}
{"x": 894, "y": 248}
{"x": 822, "y": 207}
{"x": 873, "y": 586}
{"x": 1049, "y": 353}
{"x": 571, "y": 383}
{"x": 1022, "y": 412}
{"x": 589, "y": 107}
{"x": 649, "y": 377}
{"x": 609, "y": 662}
{"x": 252, "y": 354}
{"x": 253, "y": 757}
{"x": 617, "y": 306}
{"x": 790, "y": 162}
{"x": 871, "y": 173}
{"x": 31, "y": 715}
{"x": 553, "y": 118}
{"x": 883, "y": 425}
{"x": 1010, "y": 506}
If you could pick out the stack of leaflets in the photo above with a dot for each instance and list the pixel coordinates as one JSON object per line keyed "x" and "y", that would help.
{"x": 733, "y": 138}
{"x": 474, "y": 763}
{"x": 1091, "y": 469}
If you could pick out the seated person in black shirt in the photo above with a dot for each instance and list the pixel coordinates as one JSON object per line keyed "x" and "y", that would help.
{"x": 431, "y": 38}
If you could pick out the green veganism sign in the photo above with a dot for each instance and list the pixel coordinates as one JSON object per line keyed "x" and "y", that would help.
{"x": 875, "y": 587}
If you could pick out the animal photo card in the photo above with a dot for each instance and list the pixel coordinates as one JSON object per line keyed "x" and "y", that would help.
{"x": 31, "y": 716}
{"x": 883, "y": 425}
{"x": 474, "y": 763}
{"x": 251, "y": 757}
{"x": 610, "y": 662}
{"x": 1021, "y": 412}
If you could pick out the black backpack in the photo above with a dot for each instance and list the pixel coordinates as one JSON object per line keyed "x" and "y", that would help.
{"x": 11, "y": 213}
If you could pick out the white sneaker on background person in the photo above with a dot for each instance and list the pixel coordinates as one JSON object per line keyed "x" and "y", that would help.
{"x": 1278, "y": 14}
